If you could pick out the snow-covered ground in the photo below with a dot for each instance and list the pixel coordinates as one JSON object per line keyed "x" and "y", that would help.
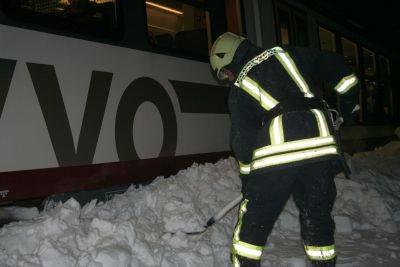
{"x": 129, "y": 230}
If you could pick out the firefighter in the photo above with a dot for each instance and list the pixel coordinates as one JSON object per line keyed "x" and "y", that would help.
{"x": 284, "y": 140}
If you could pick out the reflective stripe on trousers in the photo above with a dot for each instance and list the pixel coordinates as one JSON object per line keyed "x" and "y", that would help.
{"x": 239, "y": 247}
{"x": 320, "y": 253}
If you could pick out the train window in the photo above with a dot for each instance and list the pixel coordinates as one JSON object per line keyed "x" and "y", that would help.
{"x": 91, "y": 16}
{"x": 326, "y": 40}
{"x": 300, "y": 30}
{"x": 369, "y": 62}
{"x": 177, "y": 25}
{"x": 327, "y": 43}
{"x": 284, "y": 26}
{"x": 350, "y": 53}
{"x": 385, "y": 84}
{"x": 373, "y": 98}
{"x": 234, "y": 16}
{"x": 292, "y": 26}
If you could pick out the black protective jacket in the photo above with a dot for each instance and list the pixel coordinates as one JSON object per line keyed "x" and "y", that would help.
{"x": 268, "y": 78}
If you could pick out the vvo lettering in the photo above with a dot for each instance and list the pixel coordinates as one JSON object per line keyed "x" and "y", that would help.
{"x": 51, "y": 102}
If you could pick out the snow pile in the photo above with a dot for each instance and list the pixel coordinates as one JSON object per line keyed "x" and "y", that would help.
{"x": 18, "y": 213}
{"x": 379, "y": 170}
{"x": 129, "y": 229}
{"x": 133, "y": 229}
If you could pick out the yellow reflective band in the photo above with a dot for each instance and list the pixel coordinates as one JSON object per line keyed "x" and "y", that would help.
{"x": 242, "y": 211}
{"x": 276, "y": 131}
{"x": 322, "y": 125}
{"x": 255, "y": 61}
{"x": 293, "y": 157}
{"x": 291, "y": 68}
{"x": 244, "y": 168}
{"x": 293, "y": 145}
{"x": 247, "y": 250}
{"x": 235, "y": 261}
{"x": 320, "y": 253}
{"x": 346, "y": 83}
{"x": 253, "y": 88}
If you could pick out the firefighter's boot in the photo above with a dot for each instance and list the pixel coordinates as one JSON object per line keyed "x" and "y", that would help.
{"x": 239, "y": 261}
{"x": 326, "y": 263}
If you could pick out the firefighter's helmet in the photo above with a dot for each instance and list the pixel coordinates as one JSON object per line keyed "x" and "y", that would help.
{"x": 222, "y": 52}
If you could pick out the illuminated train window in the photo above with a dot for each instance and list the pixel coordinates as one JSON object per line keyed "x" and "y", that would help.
{"x": 89, "y": 16}
{"x": 176, "y": 25}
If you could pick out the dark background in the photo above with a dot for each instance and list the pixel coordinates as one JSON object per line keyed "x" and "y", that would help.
{"x": 377, "y": 20}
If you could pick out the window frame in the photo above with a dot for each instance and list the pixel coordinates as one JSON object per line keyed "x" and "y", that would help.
{"x": 293, "y": 15}
{"x": 365, "y": 117}
{"x": 180, "y": 52}
{"x": 25, "y": 18}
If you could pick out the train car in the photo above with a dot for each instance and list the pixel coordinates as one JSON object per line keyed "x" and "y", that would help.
{"x": 317, "y": 25}
{"x": 104, "y": 93}
{"x": 101, "y": 93}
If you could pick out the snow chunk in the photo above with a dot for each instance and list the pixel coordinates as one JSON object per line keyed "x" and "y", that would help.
{"x": 18, "y": 213}
{"x": 343, "y": 224}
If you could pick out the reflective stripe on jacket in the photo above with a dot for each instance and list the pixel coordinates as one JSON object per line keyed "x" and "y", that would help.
{"x": 268, "y": 78}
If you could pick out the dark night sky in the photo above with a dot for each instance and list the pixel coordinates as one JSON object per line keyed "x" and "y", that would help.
{"x": 378, "y": 20}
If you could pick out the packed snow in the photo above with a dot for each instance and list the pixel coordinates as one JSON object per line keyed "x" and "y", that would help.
{"x": 146, "y": 225}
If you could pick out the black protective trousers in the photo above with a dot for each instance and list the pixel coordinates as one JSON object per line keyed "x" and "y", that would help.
{"x": 314, "y": 192}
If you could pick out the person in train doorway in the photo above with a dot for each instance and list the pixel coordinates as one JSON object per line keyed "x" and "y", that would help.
{"x": 283, "y": 137}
